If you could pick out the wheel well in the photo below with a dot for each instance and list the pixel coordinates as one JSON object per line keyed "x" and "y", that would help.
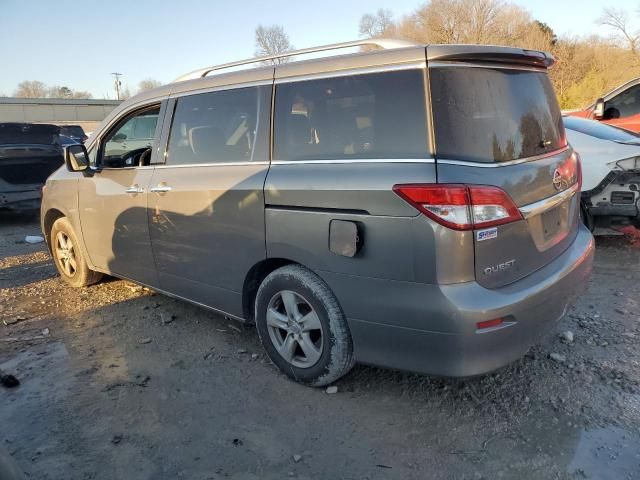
{"x": 49, "y": 219}
{"x": 253, "y": 280}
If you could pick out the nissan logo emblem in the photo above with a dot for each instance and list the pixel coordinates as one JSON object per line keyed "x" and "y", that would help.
{"x": 558, "y": 181}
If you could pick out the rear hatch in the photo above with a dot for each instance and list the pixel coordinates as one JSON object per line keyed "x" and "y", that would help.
{"x": 29, "y": 153}
{"x": 496, "y": 123}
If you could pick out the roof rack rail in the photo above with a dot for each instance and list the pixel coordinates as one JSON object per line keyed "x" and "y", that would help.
{"x": 384, "y": 43}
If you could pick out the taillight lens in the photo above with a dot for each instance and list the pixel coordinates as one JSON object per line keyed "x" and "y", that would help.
{"x": 461, "y": 207}
{"x": 578, "y": 169}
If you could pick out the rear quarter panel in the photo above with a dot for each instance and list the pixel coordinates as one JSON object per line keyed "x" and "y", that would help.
{"x": 398, "y": 244}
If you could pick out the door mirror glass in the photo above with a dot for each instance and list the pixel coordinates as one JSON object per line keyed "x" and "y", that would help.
{"x": 598, "y": 111}
{"x": 119, "y": 137}
{"x": 76, "y": 158}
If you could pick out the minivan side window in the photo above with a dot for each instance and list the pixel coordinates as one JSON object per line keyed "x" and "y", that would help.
{"x": 129, "y": 143}
{"x": 366, "y": 116}
{"x": 220, "y": 127}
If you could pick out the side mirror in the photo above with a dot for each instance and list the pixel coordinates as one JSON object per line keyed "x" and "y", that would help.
{"x": 120, "y": 137}
{"x": 76, "y": 157}
{"x": 598, "y": 110}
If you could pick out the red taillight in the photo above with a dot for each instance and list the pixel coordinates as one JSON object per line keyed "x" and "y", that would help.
{"x": 578, "y": 169}
{"x": 461, "y": 207}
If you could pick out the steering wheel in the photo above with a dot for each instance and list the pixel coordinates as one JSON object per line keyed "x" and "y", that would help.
{"x": 132, "y": 158}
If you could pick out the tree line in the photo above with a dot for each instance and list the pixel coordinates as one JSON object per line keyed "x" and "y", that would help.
{"x": 586, "y": 67}
{"x": 38, "y": 89}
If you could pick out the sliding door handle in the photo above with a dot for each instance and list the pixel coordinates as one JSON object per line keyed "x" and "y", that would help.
{"x": 161, "y": 188}
{"x": 134, "y": 189}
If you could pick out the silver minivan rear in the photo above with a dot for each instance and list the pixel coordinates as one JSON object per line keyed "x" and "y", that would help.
{"x": 414, "y": 208}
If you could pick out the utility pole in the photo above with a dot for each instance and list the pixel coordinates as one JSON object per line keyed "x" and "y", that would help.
{"x": 117, "y": 83}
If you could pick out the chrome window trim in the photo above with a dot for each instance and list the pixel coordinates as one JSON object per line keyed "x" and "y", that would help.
{"x": 218, "y": 164}
{"x": 355, "y": 160}
{"x": 220, "y": 88}
{"x": 492, "y": 65}
{"x": 469, "y": 163}
{"x": 548, "y": 203}
{"x": 351, "y": 72}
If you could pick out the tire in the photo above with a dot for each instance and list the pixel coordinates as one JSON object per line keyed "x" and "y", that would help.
{"x": 312, "y": 332}
{"x": 68, "y": 257}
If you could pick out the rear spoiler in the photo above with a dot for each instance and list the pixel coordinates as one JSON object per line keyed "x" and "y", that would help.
{"x": 489, "y": 54}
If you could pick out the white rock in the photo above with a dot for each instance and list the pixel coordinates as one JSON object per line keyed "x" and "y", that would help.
{"x": 297, "y": 458}
{"x": 332, "y": 389}
{"x": 34, "y": 239}
{"x": 567, "y": 336}
{"x": 556, "y": 357}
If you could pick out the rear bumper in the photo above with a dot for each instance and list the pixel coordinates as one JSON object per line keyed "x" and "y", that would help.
{"x": 432, "y": 328}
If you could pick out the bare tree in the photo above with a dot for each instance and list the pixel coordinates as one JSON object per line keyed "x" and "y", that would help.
{"x": 376, "y": 25}
{"x": 148, "y": 84}
{"x": 125, "y": 93}
{"x": 59, "y": 92}
{"x": 81, "y": 94}
{"x": 620, "y": 22}
{"x": 31, "y": 89}
{"x": 272, "y": 40}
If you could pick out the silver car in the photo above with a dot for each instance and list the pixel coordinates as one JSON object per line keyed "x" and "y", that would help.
{"x": 414, "y": 207}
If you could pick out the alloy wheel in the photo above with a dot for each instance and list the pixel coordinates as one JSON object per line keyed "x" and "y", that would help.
{"x": 65, "y": 254}
{"x": 294, "y": 329}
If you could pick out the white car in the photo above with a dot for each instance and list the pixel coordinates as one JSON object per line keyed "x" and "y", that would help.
{"x": 610, "y": 171}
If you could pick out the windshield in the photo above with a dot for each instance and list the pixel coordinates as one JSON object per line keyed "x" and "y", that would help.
{"x": 600, "y": 130}
{"x": 72, "y": 131}
{"x": 494, "y": 115}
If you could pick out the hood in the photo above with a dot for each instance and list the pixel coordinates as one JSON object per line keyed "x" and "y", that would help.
{"x": 599, "y": 157}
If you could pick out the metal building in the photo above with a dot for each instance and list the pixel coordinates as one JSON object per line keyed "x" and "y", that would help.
{"x": 88, "y": 113}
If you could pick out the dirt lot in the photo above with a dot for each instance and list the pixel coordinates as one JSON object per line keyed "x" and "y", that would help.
{"x": 120, "y": 383}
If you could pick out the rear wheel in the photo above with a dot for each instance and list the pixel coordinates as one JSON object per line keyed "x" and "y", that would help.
{"x": 302, "y": 327}
{"x": 68, "y": 256}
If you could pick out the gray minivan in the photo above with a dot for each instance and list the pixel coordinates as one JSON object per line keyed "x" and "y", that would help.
{"x": 413, "y": 207}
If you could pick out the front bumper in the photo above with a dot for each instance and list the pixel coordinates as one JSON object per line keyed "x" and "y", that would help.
{"x": 432, "y": 328}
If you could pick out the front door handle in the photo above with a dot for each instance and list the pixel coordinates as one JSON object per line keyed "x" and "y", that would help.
{"x": 134, "y": 189}
{"x": 160, "y": 188}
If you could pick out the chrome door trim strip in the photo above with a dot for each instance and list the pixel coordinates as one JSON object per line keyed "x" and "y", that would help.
{"x": 355, "y": 160}
{"x": 219, "y": 164}
{"x": 548, "y": 203}
{"x": 467, "y": 163}
{"x": 351, "y": 71}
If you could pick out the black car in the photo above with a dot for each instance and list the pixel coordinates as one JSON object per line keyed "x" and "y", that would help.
{"x": 74, "y": 131}
{"x": 29, "y": 153}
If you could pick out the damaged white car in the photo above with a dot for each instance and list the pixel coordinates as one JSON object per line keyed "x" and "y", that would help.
{"x": 610, "y": 172}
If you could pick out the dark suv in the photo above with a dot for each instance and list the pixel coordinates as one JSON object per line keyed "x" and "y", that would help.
{"x": 29, "y": 153}
{"x": 415, "y": 207}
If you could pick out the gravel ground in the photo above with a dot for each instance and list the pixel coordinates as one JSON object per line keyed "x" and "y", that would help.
{"x": 120, "y": 383}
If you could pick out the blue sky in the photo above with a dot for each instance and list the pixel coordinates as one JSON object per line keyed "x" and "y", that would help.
{"x": 78, "y": 43}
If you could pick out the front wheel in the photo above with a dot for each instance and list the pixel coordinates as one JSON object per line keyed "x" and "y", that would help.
{"x": 302, "y": 327}
{"x": 68, "y": 256}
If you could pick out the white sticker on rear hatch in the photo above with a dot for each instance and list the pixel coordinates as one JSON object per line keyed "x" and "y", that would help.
{"x": 487, "y": 234}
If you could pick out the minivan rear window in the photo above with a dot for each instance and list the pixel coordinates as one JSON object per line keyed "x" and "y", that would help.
{"x": 376, "y": 115}
{"x": 494, "y": 115}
